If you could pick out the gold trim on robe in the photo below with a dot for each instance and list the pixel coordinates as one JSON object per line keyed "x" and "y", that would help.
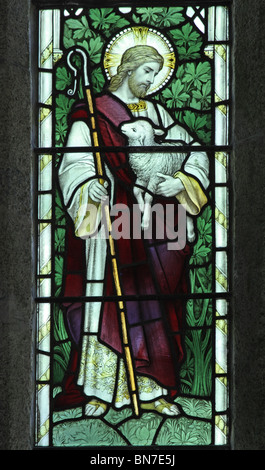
{"x": 193, "y": 196}
{"x": 136, "y": 107}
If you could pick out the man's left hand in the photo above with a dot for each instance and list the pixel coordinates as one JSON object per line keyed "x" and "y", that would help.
{"x": 170, "y": 186}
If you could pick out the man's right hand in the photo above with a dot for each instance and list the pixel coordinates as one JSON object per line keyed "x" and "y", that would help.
{"x": 98, "y": 192}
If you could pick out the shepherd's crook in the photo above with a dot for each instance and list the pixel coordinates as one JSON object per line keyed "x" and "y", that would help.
{"x": 125, "y": 339}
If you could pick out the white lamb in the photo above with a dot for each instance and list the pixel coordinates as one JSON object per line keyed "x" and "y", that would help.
{"x": 146, "y": 166}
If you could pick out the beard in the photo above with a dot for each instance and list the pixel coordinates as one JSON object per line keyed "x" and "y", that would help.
{"x": 139, "y": 90}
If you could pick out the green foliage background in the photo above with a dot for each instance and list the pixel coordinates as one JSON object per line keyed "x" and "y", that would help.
{"x": 189, "y": 98}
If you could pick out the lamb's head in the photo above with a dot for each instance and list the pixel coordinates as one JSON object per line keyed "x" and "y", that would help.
{"x": 140, "y": 132}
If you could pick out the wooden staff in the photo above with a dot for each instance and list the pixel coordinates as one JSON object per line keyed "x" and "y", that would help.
{"x": 123, "y": 321}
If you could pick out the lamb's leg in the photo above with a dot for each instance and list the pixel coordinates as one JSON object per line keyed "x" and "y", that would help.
{"x": 148, "y": 199}
{"x": 147, "y": 211}
{"x": 190, "y": 229}
{"x": 138, "y": 193}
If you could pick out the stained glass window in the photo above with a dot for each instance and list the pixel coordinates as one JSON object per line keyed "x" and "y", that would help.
{"x": 132, "y": 296}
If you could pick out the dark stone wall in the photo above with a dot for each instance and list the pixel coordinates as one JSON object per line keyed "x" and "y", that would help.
{"x": 16, "y": 242}
{"x": 248, "y": 235}
{"x": 17, "y": 45}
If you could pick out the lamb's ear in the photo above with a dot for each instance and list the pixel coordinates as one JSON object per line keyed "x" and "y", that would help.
{"x": 159, "y": 132}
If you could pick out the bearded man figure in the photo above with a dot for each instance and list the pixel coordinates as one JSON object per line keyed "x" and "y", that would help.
{"x": 147, "y": 269}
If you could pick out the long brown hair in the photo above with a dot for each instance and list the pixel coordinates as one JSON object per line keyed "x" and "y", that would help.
{"x": 131, "y": 60}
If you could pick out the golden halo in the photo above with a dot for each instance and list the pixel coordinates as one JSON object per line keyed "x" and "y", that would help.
{"x": 135, "y": 36}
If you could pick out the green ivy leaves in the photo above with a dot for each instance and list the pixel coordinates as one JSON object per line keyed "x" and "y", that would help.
{"x": 80, "y": 29}
{"x": 195, "y": 123}
{"x": 160, "y": 16}
{"x": 202, "y": 97}
{"x": 85, "y": 33}
{"x": 191, "y": 88}
{"x": 204, "y": 226}
{"x": 188, "y": 42}
{"x": 175, "y": 95}
{"x": 78, "y": 32}
{"x": 63, "y": 106}
{"x": 189, "y": 95}
{"x": 63, "y": 78}
{"x": 202, "y": 249}
{"x": 94, "y": 48}
{"x": 105, "y": 18}
{"x": 197, "y": 74}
